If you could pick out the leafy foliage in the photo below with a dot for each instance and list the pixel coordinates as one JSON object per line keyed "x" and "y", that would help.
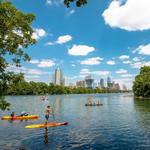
{"x": 141, "y": 85}
{"x": 79, "y": 3}
{"x": 15, "y": 35}
{"x": 18, "y": 86}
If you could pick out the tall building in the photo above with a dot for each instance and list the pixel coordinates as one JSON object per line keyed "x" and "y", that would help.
{"x": 58, "y": 77}
{"x": 102, "y": 83}
{"x": 80, "y": 83}
{"x": 124, "y": 88}
{"x": 109, "y": 84}
{"x": 89, "y": 81}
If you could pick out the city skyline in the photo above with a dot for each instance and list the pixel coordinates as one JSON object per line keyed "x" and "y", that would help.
{"x": 83, "y": 43}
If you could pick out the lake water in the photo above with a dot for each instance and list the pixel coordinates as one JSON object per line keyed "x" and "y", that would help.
{"x": 122, "y": 123}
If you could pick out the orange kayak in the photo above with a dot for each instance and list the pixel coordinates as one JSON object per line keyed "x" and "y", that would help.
{"x": 29, "y": 117}
{"x": 51, "y": 124}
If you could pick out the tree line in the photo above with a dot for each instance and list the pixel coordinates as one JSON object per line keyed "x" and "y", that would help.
{"x": 17, "y": 85}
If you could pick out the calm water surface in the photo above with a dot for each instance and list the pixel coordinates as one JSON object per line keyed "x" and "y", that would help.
{"x": 122, "y": 123}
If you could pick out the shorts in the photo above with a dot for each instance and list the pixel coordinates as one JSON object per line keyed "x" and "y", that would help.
{"x": 47, "y": 116}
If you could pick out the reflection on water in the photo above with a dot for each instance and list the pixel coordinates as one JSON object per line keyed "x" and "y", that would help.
{"x": 46, "y": 136}
{"x": 121, "y": 123}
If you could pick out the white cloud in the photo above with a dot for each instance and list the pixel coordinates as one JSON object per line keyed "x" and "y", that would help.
{"x": 49, "y": 2}
{"x": 54, "y": 2}
{"x": 61, "y": 40}
{"x": 80, "y": 50}
{"x": 136, "y": 59}
{"x": 121, "y": 71}
{"x": 85, "y": 71}
{"x": 91, "y": 61}
{"x": 49, "y": 43}
{"x": 136, "y": 65}
{"x": 64, "y": 39}
{"x": 127, "y": 62}
{"x": 140, "y": 64}
{"x": 38, "y": 33}
{"x": 144, "y": 49}
{"x": 46, "y": 63}
{"x": 26, "y": 71}
{"x": 72, "y": 11}
{"x": 111, "y": 62}
{"x": 123, "y": 57}
{"x": 132, "y": 16}
{"x": 34, "y": 61}
{"x": 73, "y": 65}
{"x": 127, "y": 75}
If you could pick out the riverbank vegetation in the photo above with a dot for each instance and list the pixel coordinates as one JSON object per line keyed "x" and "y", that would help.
{"x": 18, "y": 86}
{"x": 15, "y": 36}
{"x": 141, "y": 85}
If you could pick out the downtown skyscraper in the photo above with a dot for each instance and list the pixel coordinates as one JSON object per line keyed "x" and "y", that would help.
{"x": 58, "y": 77}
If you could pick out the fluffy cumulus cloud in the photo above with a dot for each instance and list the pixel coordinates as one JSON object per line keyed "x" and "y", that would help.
{"x": 49, "y": 2}
{"x": 91, "y": 61}
{"x": 34, "y": 61}
{"x": 61, "y": 40}
{"x": 143, "y": 49}
{"x": 127, "y": 62}
{"x": 133, "y": 15}
{"x": 80, "y": 50}
{"x": 140, "y": 64}
{"x": 124, "y": 57}
{"x": 38, "y": 33}
{"x": 64, "y": 39}
{"x": 121, "y": 71}
{"x": 127, "y": 75}
{"x": 46, "y": 63}
{"x": 111, "y": 62}
{"x": 54, "y": 2}
{"x": 27, "y": 71}
{"x": 72, "y": 11}
{"x": 136, "y": 59}
{"x": 84, "y": 71}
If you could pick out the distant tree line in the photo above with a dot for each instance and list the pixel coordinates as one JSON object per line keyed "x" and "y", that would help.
{"x": 18, "y": 86}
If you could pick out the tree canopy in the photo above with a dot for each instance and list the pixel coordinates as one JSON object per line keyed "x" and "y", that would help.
{"x": 77, "y": 2}
{"x": 15, "y": 35}
{"x": 141, "y": 85}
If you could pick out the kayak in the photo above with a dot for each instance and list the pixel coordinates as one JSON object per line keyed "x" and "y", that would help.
{"x": 51, "y": 124}
{"x": 93, "y": 104}
{"x": 20, "y": 117}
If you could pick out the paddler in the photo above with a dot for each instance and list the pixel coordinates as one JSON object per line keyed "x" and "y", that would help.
{"x": 48, "y": 111}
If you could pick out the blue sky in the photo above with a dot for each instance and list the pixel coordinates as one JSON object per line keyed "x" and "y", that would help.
{"x": 103, "y": 38}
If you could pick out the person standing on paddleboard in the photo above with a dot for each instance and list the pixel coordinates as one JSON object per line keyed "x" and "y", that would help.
{"x": 47, "y": 113}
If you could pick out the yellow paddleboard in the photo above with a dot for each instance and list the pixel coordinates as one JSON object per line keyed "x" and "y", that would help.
{"x": 20, "y": 117}
{"x": 51, "y": 124}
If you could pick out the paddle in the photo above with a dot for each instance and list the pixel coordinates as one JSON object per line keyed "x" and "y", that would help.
{"x": 53, "y": 114}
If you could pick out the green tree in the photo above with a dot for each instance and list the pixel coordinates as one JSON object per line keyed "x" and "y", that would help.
{"x": 15, "y": 35}
{"x": 141, "y": 85}
{"x": 78, "y": 2}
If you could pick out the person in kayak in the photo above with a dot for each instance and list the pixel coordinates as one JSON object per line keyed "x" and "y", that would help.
{"x": 12, "y": 114}
{"x": 24, "y": 113}
{"x": 48, "y": 111}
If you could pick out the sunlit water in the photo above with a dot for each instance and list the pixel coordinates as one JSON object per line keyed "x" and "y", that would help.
{"x": 122, "y": 123}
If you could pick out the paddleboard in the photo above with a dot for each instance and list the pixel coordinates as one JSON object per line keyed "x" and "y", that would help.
{"x": 51, "y": 124}
{"x": 29, "y": 117}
